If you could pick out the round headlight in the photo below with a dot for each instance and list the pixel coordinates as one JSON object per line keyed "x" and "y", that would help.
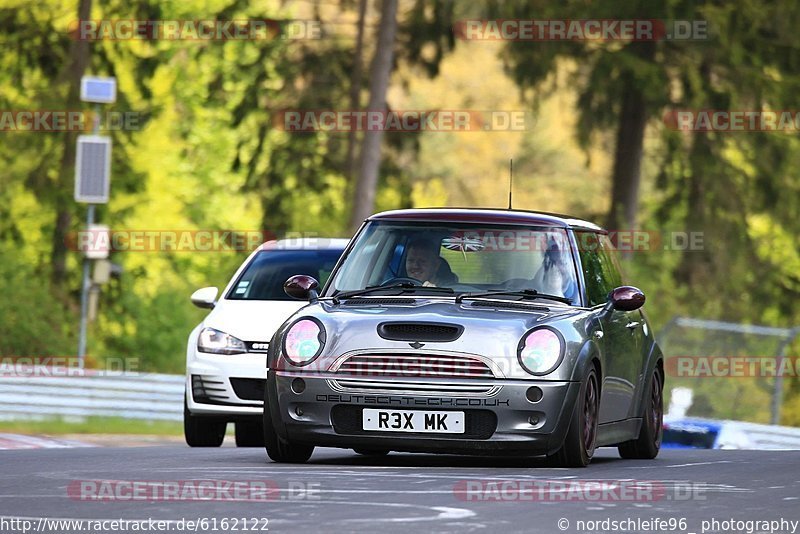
{"x": 304, "y": 341}
{"x": 540, "y": 351}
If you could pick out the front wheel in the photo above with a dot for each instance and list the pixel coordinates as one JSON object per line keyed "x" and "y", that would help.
{"x": 579, "y": 445}
{"x": 278, "y": 449}
{"x": 647, "y": 445}
{"x": 202, "y": 431}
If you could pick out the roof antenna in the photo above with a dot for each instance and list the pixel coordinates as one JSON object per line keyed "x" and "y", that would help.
{"x": 510, "y": 180}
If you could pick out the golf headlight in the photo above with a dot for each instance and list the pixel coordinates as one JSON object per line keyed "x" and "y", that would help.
{"x": 304, "y": 341}
{"x": 540, "y": 351}
{"x": 217, "y": 342}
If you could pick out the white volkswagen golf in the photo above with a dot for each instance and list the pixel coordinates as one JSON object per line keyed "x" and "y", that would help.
{"x": 227, "y": 353}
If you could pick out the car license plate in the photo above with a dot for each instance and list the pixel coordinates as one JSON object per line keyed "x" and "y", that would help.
{"x": 413, "y": 421}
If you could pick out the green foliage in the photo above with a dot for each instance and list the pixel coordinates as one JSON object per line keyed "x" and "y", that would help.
{"x": 35, "y": 321}
{"x": 144, "y": 330}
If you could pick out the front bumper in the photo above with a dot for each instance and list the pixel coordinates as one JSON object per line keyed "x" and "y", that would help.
{"x": 499, "y": 422}
{"x": 220, "y": 384}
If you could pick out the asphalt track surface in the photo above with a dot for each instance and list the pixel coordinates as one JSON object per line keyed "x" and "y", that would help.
{"x": 338, "y": 491}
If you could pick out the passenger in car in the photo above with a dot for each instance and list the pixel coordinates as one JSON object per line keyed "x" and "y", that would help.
{"x": 423, "y": 263}
{"x": 556, "y": 276}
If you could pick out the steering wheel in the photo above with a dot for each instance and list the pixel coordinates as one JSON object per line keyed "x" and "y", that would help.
{"x": 402, "y": 280}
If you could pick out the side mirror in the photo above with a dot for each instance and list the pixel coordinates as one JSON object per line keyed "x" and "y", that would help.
{"x": 625, "y": 298}
{"x": 302, "y": 287}
{"x": 205, "y": 297}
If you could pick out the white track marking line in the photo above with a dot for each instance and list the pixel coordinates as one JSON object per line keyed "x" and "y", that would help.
{"x": 21, "y": 441}
{"x": 701, "y": 463}
{"x": 680, "y": 465}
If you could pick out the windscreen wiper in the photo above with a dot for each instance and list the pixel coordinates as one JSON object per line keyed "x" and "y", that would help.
{"x": 403, "y": 287}
{"x": 523, "y": 293}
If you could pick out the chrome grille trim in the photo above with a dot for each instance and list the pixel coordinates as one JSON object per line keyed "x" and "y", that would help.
{"x": 396, "y": 387}
{"x": 420, "y": 363}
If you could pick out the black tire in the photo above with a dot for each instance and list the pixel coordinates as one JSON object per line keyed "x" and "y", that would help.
{"x": 249, "y": 434}
{"x": 579, "y": 444}
{"x": 647, "y": 445}
{"x": 200, "y": 431}
{"x": 278, "y": 449}
{"x": 371, "y": 452}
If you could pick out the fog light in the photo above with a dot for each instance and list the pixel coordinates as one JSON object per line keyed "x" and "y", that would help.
{"x": 298, "y": 411}
{"x": 534, "y": 394}
{"x": 298, "y": 385}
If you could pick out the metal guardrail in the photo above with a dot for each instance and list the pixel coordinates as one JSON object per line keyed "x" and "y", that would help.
{"x": 40, "y": 394}
{"x": 785, "y": 336}
{"x": 764, "y": 437}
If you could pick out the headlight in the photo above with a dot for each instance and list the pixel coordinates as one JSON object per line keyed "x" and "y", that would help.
{"x": 540, "y": 351}
{"x": 217, "y": 342}
{"x": 304, "y": 341}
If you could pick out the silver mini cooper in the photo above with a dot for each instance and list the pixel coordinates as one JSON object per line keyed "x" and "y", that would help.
{"x": 467, "y": 331}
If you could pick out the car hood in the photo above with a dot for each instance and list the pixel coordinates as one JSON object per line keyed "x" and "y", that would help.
{"x": 251, "y": 320}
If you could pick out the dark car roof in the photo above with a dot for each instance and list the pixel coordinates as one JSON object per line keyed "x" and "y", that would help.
{"x": 487, "y": 215}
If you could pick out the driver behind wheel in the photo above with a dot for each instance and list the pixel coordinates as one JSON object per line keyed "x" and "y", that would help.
{"x": 424, "y": 264}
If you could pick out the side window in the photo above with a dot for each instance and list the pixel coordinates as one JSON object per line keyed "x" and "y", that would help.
{"x": 611, "y": 269}
{"x": 591, "y": 263}
{"x": 600, "y": 268}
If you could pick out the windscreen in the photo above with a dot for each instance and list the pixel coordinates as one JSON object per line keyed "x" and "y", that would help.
{"x": 462, "y": 256}
{"x": 264, "y": 277}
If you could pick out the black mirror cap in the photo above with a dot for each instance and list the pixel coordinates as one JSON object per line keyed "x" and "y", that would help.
{"x": 301, "y": 287}
{"x": 626, "y": 298}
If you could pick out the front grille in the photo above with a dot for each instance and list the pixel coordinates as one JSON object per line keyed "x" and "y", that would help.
{"x": 478, "y": 424}
{"x": 207, "y": 390}
{"x": 414, "y": 365}
{"x": 401, "y": 331}
{"x": 249, "y": 388}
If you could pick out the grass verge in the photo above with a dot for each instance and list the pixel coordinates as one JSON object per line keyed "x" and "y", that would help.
{"x": 93, "y": 425}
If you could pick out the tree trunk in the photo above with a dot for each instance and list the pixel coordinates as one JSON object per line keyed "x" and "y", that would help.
{"x": 628, "y": 160}
{"x": 364, "y": 199}
{"x": 78, "y": 61}
{"x": 694, "y": 270}
{"x": 355, "y": 90}
{"x": 630, "y": 142}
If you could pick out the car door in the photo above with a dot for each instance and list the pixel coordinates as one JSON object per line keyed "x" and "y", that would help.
{"x": 622, "y": 331}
